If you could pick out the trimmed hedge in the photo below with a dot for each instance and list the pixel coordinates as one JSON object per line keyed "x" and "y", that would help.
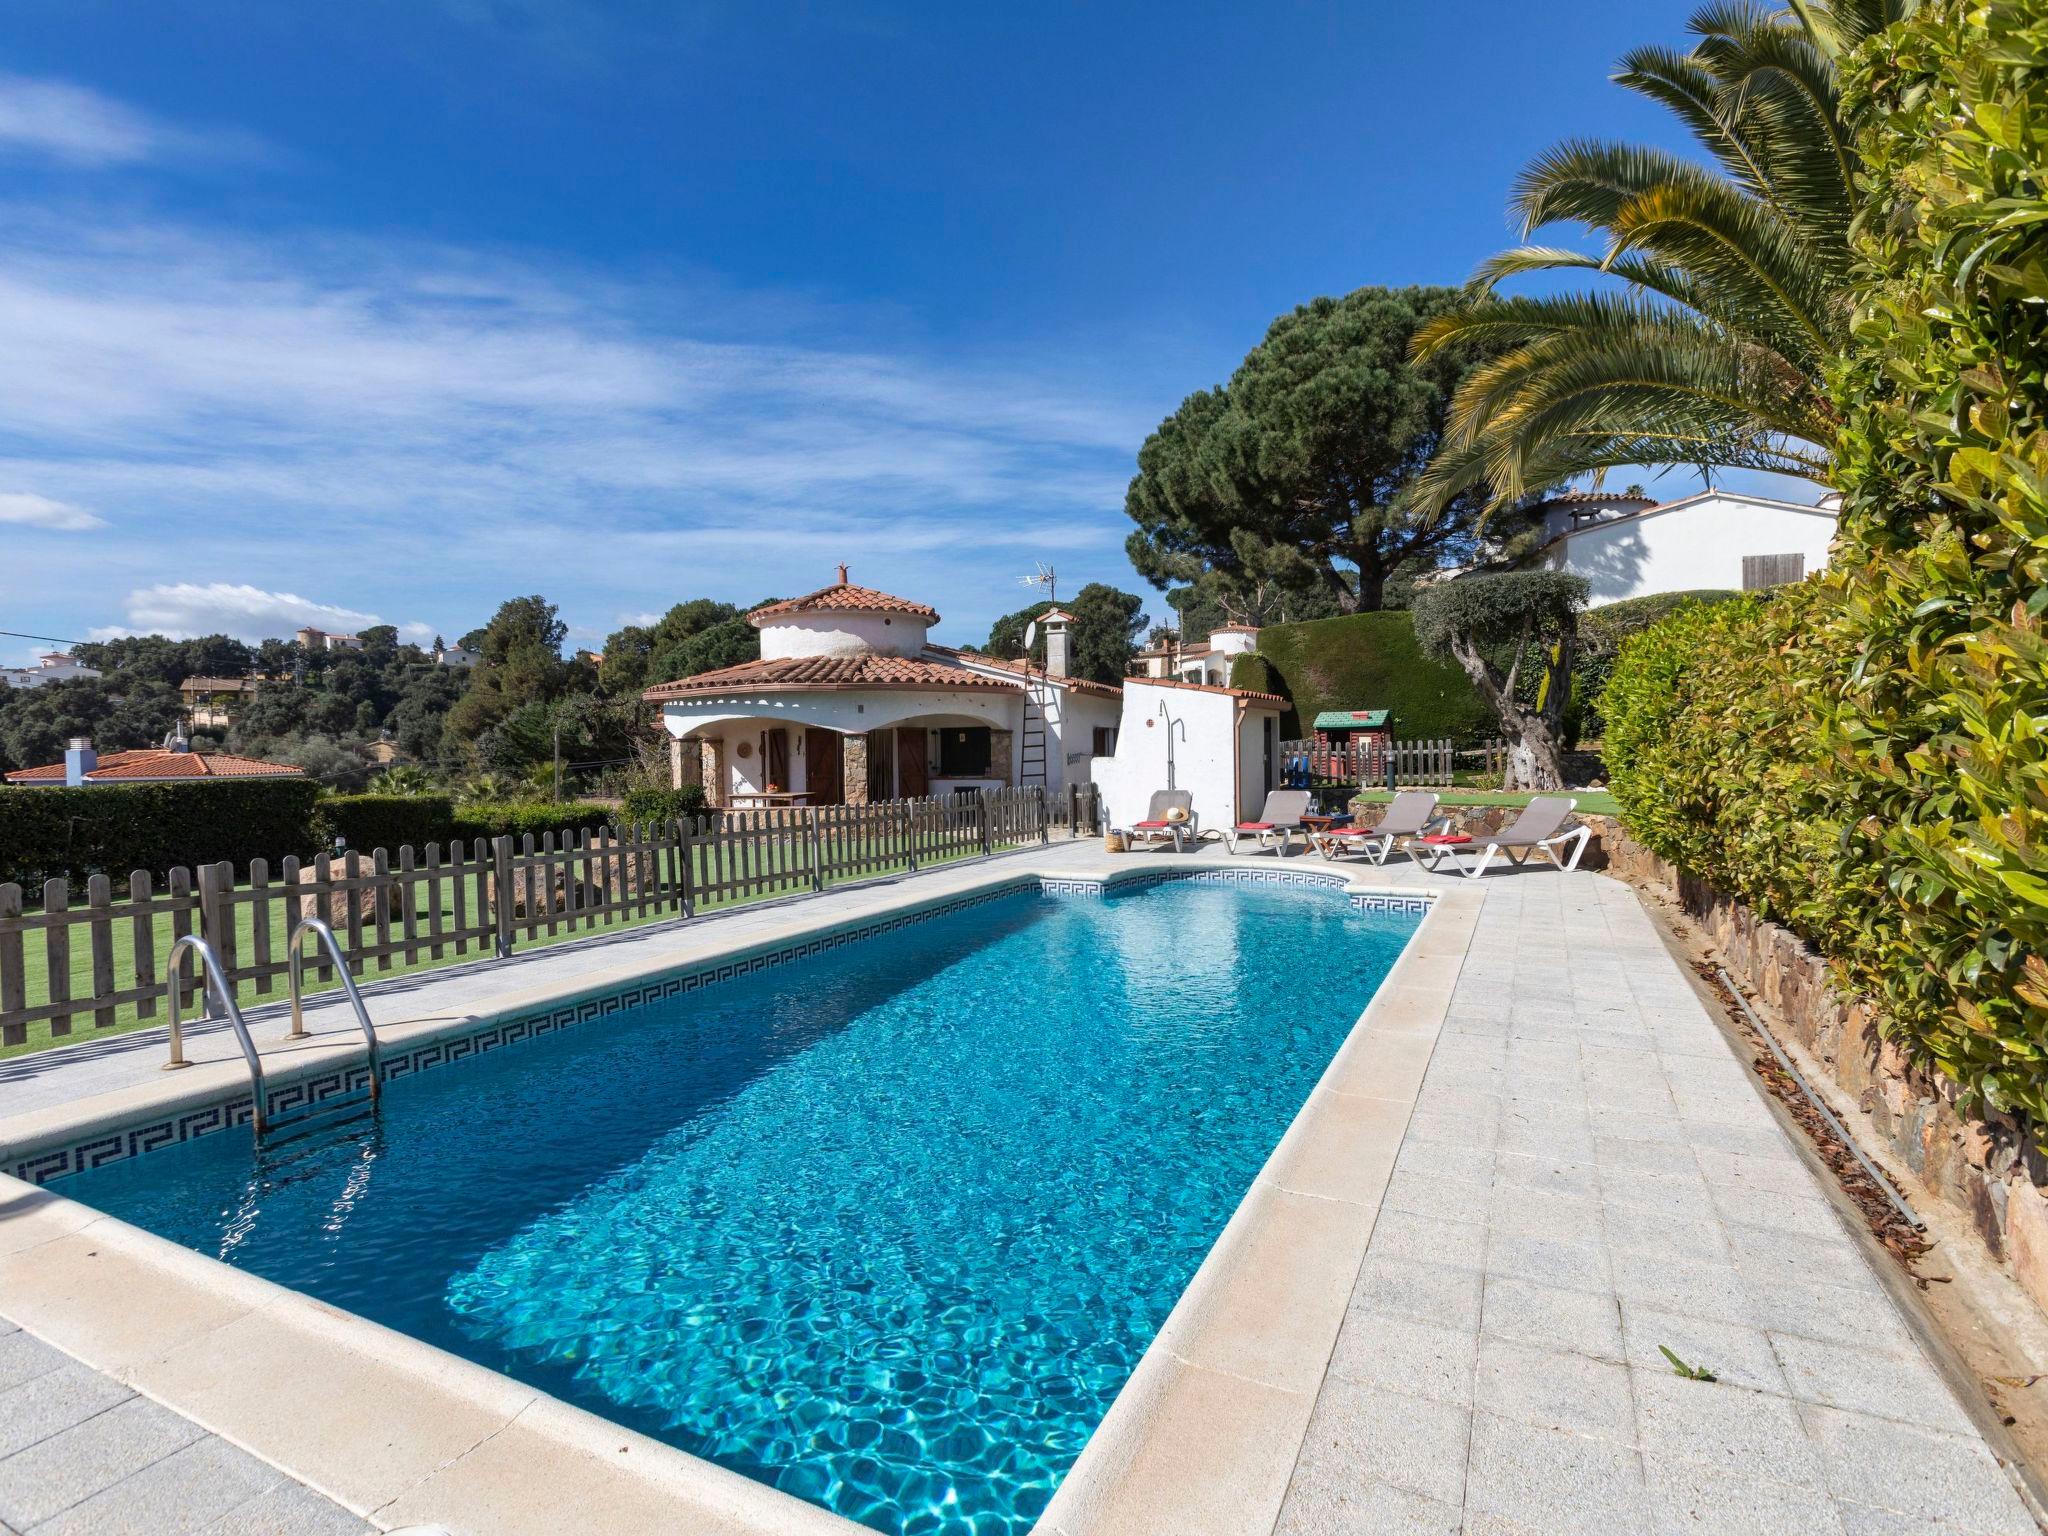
{"x": 643, "y": 806}
{"x": 366, "y": 822}
{"x": 395, "y": 821}
{"x": 1600, "y": 635}
{"x": 512, "y": 819}
{"x": 1368, "y": 661}
{"x": 113, "y": 829}
{"x": 1942, "y": 566}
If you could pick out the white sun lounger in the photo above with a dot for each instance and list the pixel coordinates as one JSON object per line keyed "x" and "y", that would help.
{"x": 1411, "y": 815}
{"x": 1540, "y": 828}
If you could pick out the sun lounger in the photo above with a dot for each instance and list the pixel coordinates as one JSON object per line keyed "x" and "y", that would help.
{"x": 1540, "y": 828}
{"x": 1412, "y": 815}
{"x": 1278, "y": 821}
{"x": 1161, "y": 826}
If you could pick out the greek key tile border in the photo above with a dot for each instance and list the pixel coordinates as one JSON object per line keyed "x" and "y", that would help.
{"x": 298, "y": 1095}
{"x": 1361, "y": 901}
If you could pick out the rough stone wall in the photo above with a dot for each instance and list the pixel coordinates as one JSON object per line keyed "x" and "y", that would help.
{"x": 854, "y": 768}
{"x": 1988, "y": 1169}
{"x": 999, "y": 749}
{"x": 711, "y": 768}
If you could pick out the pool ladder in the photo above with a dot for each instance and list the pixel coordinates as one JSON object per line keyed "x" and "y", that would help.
{"x": 213, "y": 975}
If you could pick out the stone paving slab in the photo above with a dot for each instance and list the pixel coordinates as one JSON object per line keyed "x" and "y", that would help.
{"x": 83, "y": 1455}
{"x": 1590, "y": 1178}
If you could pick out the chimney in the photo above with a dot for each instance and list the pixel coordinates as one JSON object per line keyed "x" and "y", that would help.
{"x": 79, "y": 760}
{"x": 842, "y": 573}
{"x": 1054, "y": 622}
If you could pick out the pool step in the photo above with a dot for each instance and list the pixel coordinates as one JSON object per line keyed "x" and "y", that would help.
{"x": 343, "y": 1107}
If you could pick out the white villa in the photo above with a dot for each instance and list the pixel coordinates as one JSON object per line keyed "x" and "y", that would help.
{"x": 51, "y": 667}
{"x": 1206, "y": 662}
{"x": 851, "y": 703}
{"x": 1632, "y": 546}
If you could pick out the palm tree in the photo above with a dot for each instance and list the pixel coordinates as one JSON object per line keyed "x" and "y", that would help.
{"x": 1733, "y": 283}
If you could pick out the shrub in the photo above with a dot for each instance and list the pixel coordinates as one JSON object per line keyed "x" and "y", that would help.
{"x": 366, "y": 822}
{"x": 1860, "y": 756}
{"x": 650, "y": 804}
{"x": 1601, "y": 633}
{"x": 113, "y": 829}
{"x": 513, "y": 819}
{"x": 1714, "y": 752}
{"x": 1942, "y": 567}
{"x": 1368, "y": 661}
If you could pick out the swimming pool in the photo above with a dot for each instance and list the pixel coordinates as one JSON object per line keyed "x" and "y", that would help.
{"x": 887, "y": 1227}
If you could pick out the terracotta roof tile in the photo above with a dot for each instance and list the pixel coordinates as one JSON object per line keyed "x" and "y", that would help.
{"x": 152, "y": 764}
{"x": 810, "y": 673}
{"x": 1084, "y": 684}
{"x": 843, "y": 597}
{"x": 1249, "y": 695}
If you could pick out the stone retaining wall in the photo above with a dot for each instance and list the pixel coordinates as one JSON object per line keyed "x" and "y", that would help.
{"x": 1988, "y": 1170}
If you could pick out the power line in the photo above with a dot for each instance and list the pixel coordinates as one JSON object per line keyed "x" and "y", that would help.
{"x": 53, "y": 639}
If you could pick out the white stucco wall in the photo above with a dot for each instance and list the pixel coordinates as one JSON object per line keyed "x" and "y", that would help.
{"x": 842, "y": 634}
{"x": 845, "y": 710}
{"x": 1693, "y": 543}
{"x": 1202, "y": 731}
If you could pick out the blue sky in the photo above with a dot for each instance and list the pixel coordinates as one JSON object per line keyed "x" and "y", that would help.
{"x": 387, "y": 311}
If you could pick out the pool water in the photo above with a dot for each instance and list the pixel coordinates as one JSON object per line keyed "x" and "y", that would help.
{"x": 887, "y": 1228}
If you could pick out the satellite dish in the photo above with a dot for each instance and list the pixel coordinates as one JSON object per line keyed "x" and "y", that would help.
{"x": 1030, "y": 635}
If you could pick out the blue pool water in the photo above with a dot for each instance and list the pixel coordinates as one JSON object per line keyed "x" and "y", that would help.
{"x": 887, "y": 1229}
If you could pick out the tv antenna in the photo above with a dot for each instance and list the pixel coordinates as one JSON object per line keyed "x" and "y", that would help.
{"x": 1046, "y": 579}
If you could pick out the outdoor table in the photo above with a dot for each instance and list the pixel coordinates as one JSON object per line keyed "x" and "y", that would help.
{"x": 746, "y": 798}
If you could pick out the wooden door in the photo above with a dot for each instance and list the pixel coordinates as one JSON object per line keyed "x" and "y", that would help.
{"x": 912, "y": 781}
{"x": 824, "y": 767}
{"x": 881, "y": 765}
{"x": 775, "y": 759}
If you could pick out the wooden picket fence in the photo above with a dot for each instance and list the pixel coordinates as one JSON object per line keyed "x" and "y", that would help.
{"x": 482, "y": 899}
{"x": 1369, "y": 761}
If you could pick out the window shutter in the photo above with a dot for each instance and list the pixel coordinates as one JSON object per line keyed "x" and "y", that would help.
{"x": 1760, "y": 571}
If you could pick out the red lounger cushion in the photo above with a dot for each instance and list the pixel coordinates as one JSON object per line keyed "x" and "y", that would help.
{"x": 1154, "y": 823}
{"x": 1255, "y": 826}
{"x": 1447, "y": 839}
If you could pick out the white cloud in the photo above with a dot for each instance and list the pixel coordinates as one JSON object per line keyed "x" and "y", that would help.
{"x": 26, "y": 509}
{"x": 78, "y": 126}
{"x": 434, "y": 429}
{"x": 183, "y": 609}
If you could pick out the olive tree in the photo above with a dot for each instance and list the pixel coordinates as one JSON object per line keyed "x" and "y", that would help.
{"x": 1513, "y": 633}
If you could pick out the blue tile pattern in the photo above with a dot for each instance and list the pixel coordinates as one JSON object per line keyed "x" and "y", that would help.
{"x": 297, "y": 1095}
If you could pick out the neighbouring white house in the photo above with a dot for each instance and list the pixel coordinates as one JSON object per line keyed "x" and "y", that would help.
{"x": 454, "y": 656}
{"x": 1206, "y": 662}
{"x": 1630, "y": 546}
{"x": 1220, "y": 744}
{"x": 52, "y": 667}
{"x": 850, "y": 702}
{"x": 312, "y": 639}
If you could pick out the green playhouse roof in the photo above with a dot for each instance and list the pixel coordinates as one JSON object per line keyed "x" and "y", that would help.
{"x": 1350, "y": 720}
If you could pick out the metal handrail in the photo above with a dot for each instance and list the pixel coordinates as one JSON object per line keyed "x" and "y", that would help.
{"x": 296, "y": 975}
{"x": 212, "y": 974}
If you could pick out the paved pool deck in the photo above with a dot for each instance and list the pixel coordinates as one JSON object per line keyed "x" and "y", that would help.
{"x": 1582, "y": 1171}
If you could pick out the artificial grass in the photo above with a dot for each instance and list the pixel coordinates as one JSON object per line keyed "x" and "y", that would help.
{"x": 1593, "y": 802}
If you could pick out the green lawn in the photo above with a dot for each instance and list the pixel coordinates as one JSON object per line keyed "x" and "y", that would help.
{"x": 36, "y": 958}
{"x": 1594, "y": 802}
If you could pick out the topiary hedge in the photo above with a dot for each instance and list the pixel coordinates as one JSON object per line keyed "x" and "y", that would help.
{"x": 1368, "y": 661}
{"x": 114, "y": 829}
